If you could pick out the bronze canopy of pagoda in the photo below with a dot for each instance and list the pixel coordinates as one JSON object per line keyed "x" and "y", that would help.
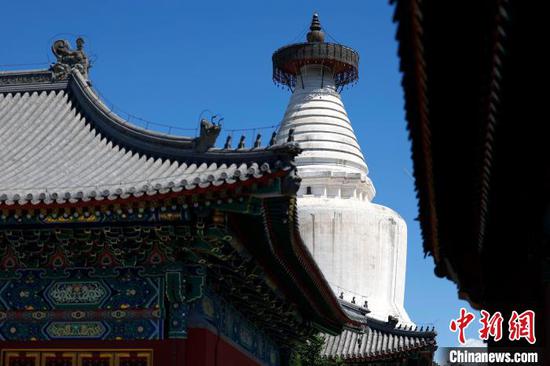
{"x": 341, "y": 60}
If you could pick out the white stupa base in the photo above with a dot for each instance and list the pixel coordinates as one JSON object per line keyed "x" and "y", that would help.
{"x": 361, "y": 248}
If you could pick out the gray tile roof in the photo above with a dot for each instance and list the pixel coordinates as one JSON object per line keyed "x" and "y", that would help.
{"x": 377, "y": 339}
{"x": 60, "y": 143}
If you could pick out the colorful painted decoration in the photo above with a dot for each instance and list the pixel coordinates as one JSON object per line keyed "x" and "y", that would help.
{"x": 81, "y": 330}
{"x": 77, "y": 293}
{"x": 125, "y": 303}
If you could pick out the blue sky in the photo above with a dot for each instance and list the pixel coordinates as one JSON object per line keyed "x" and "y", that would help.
{"x": 168, "y": 61}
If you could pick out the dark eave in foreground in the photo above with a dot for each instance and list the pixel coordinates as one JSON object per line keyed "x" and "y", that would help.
{"x": 479, "y": 148}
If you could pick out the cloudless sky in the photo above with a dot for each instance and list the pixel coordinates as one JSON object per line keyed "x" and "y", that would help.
{"x": 167, "y": 61}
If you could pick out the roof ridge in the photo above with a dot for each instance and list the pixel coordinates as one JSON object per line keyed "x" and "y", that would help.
{"x": 158, "y": 144}
{"x": 30, "y": 81}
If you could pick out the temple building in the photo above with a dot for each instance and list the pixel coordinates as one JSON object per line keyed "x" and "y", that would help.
{"x": 121, "y": 246}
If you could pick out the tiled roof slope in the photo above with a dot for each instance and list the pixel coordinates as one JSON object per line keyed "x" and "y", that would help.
{"x": 377, "y": 340}
{"x": 60, "y": 143}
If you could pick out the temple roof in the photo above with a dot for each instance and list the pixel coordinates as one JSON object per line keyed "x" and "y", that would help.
{"x": 61, "y": 143}
{"x": 377, "y": 339}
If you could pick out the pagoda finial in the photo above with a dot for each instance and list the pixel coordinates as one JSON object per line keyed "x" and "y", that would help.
{"x": 315, "y": 33}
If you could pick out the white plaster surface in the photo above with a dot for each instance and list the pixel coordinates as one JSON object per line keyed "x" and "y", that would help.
{"x": 360, "y": 246}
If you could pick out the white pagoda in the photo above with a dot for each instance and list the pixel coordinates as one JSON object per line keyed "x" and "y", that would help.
{"x": 360, "y": 246}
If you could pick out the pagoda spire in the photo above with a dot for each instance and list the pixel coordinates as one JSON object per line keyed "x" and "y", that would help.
{"x": 315, "y": 33}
